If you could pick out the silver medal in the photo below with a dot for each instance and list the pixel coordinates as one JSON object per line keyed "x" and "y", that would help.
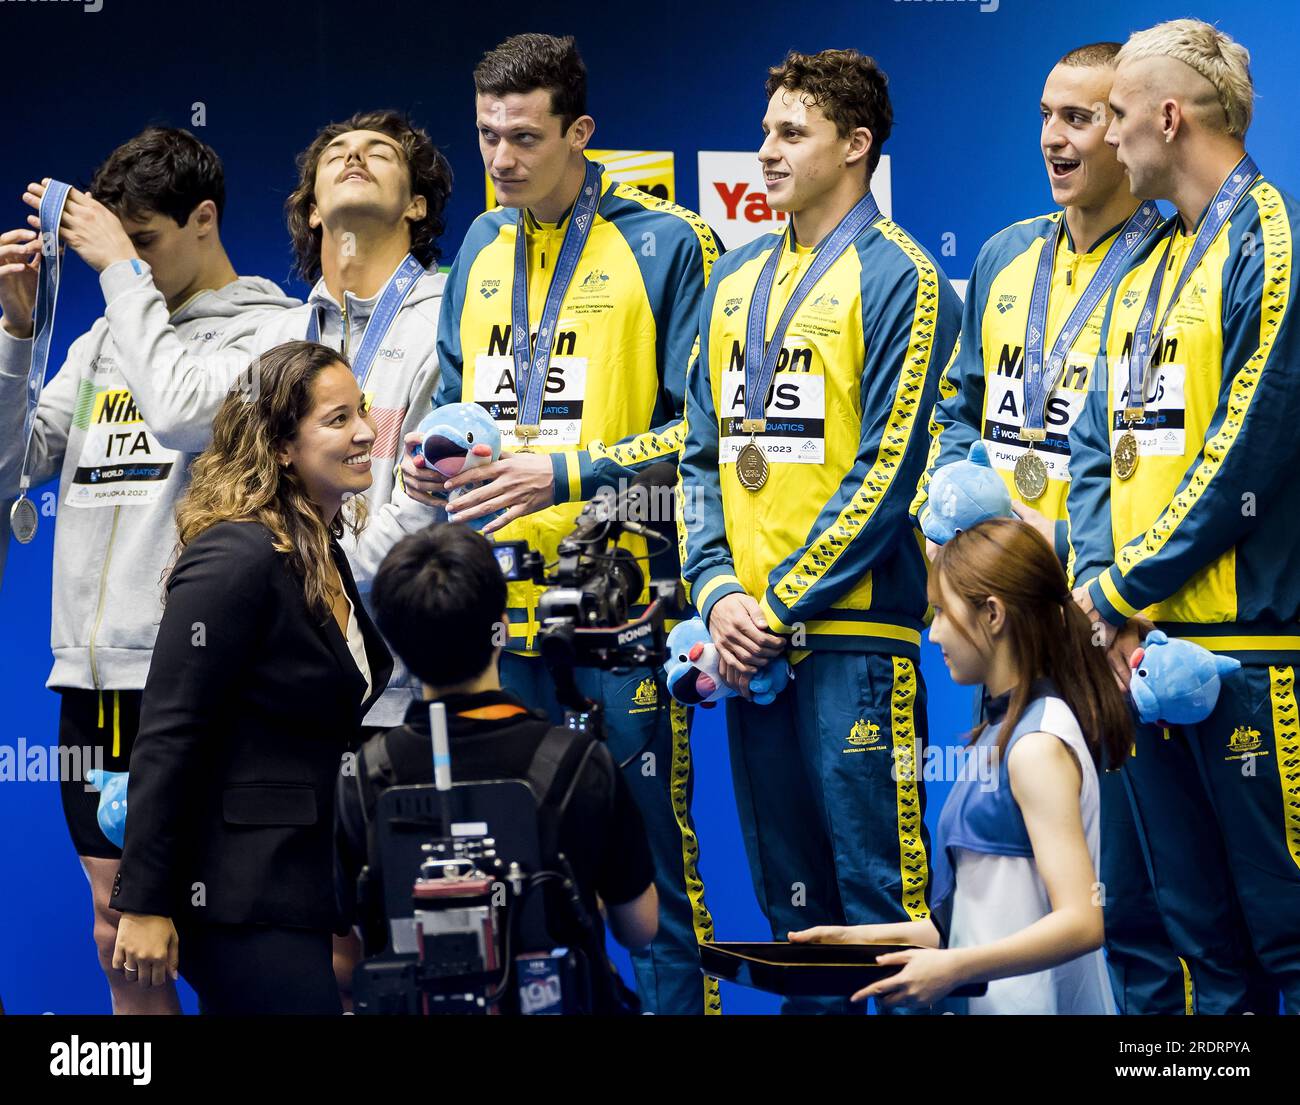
{"x": 23, "y": 519}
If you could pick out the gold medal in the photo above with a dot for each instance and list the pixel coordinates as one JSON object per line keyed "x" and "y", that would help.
{"x": 1126, "y": 455}
{"x": 22, "y": 519}
{"x": 526, "y": 433}
{"x": 751, "y": 466}
{"x": 1030, "y": 476}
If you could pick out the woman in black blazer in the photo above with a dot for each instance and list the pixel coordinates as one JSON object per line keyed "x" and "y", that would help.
{"x": 264, "y": 666}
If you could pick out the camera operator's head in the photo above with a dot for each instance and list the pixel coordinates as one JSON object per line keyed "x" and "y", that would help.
{"x": 439, "y": 598}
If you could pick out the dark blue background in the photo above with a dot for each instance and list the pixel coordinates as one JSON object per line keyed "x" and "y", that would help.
{"x": 673, "y": 76}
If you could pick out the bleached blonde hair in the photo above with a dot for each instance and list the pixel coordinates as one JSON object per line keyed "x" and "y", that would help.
{"x": 1222, "y": 61}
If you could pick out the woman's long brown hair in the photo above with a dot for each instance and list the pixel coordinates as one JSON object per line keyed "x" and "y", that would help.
{"x": 1051, "y": 638}
{"x": 237, "y": 479}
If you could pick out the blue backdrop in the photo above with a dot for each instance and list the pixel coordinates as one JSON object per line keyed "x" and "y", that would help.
{"x": 965, "y": 76}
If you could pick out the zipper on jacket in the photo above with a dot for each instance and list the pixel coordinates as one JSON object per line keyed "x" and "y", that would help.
{"x": 1072, "y": 272}
{"x": 103, "y": 585}
{"x": 344, "y": 349}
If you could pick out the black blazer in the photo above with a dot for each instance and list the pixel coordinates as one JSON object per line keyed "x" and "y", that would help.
{"x": 250, "y": 703}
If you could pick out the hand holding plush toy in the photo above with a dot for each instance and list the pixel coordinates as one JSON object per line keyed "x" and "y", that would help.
{"x": 691, "y": 669}
{"x": 1176, "y": 682}
{"x": 963, "y": 494}
{"x": 456, "y": 437}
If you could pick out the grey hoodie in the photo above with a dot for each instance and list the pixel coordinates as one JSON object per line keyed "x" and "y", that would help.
{"x": 122, "y": 430}
{"x": 401, "y": 384}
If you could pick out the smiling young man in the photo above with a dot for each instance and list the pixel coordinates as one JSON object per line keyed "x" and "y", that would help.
{"x": 1182, "y": 508}
{"x": 1031, "y": 330}
{"x": 121, "y": 434}
{"x": 608, "y": 281}
{"x": 819, "y": 359}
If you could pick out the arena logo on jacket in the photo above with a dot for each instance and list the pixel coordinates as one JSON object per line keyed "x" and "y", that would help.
{"x": 650, "y": 170}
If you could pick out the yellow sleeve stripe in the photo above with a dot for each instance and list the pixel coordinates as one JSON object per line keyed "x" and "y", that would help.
{"x": 700, "y": 597}
{"x": 1276, "y": 230}
{"x": 574, "y": 469}
{"x": 833, "y": 628}
{"x": 1246, "y": 644}
{"x": 947, "y": 389}
{"x": 774, "y": 623}
{"x": 708, "y": 244}
{"x": 828, "y": 548}
{"x": 1107, "y": 582}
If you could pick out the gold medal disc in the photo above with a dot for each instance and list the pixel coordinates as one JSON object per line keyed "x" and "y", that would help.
{"x": 751, "y": 467}
{"x": 1126, "y": 455}
{"x": 1030, "y": 476}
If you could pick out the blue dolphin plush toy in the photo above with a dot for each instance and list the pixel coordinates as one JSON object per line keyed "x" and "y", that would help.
{"x": 691, "y": 669}
{"x": 112, "y": 802}
{"x": 455, "y": 437}
{"x": 1176, "y": 682}
{"x": 963, "y": 493}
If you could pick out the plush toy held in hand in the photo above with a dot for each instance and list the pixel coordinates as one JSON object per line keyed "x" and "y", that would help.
{"x": 962, "y": 494}
{"x": 1176, "y": 682}
{"x": 112, "y": 802}
{"x": 457, "y": 437}
{"x": 691, "y": 669}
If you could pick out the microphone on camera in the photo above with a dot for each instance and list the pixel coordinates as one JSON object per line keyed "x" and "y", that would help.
{"x": 613, "y": 512}
{"x": 638, "y": 501}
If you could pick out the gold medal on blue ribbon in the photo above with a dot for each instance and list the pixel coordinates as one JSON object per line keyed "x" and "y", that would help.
{"x": 1148, "y": 335}
{"x": 761, "y": 356}
{"x": 751, "y": 466}
{"x": 1125, "y": 456}
{"x": 1030, "y": 475}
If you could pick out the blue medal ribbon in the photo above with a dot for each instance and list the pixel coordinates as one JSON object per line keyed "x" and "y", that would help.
{"x": 395, "y": 293}
{"x": 1038, "y": 384}
{"x": 531, "y": 365}
{"x": 1225, "y": 202}
{"x": 760, "y": 358}
{"x": 47, "y": 296}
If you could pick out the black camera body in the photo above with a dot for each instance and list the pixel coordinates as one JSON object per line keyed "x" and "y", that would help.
{"x": 591, "y": 589}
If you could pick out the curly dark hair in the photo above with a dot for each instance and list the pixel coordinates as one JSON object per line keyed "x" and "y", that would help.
{"x": 164, "y": 171}
{"x": 430, "y": 178}
{"x": 238, "y": 479}
{"x": 531, "y": 61}
{"x": 849, "y": 87}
